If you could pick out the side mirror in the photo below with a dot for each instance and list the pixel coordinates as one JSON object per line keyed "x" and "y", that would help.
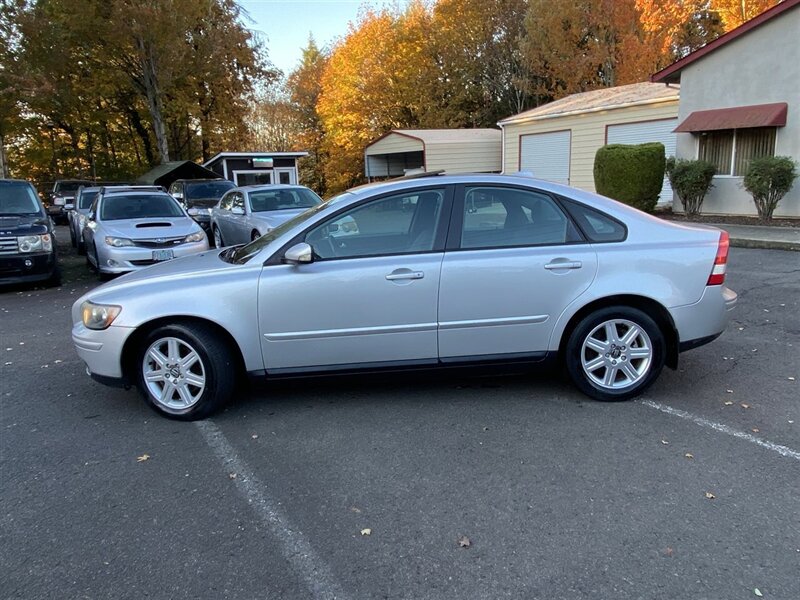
{"x": 178, "y": 196}
{"x": 237, "y": 210}
{"x": 299, "y": 254}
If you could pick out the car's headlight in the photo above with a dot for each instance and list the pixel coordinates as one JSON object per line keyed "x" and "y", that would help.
{"x": 118, "y": 242}
{"x": 98, "y": 316}
{"x": 197, "y": 236}
{"x": 193, "y": 212}
{"x": 35, "y": 243}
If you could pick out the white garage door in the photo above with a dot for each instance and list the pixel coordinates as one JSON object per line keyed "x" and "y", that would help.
{"x": 546, "y": 155}
{"x": 649, "y": 131}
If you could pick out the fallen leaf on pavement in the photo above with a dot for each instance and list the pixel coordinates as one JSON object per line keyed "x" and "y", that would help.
{"x": 728, "y": 403}
{"x": 668, "y": 551}
{"x": 710, "y": 496}
{"x": 355, "y": 509}
{"x": 366, "y": 531}
{"x": 755, "y": 430}
{"x": 758, "y": 593}
{"x": 254, "y": 436}
{"x": 231, "y": 475}
{"x": 463, "y": 542}
{"x": 665, "y": 442}
{"x": 689, "y": 455}
{"x": 791, "y": 378}
{"x": 143, "y": 458}
{"x": 743, "y": 405}
{"x": 729, "y": 391}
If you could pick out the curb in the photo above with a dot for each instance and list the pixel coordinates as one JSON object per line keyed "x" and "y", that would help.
{"x": 764, "y": 244}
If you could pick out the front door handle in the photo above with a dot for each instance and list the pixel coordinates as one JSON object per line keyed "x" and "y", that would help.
{"x": 555, "y": 265}
{"x": 405, "y": 274}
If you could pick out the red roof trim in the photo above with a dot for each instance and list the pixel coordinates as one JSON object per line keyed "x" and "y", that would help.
{"x": 672, "y": 73}
{"x": 738, "y": 117}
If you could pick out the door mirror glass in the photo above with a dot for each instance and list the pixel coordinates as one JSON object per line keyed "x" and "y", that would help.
{"x": 298, "y": 254}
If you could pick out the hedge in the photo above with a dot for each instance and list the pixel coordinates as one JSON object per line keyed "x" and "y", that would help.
{"x": 768, "y": 180}
{"x": 633, "y": 174}
{"x": 691, "y": 180}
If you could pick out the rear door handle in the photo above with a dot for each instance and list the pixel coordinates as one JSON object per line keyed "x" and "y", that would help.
{"x": 575, "y": 264}
{"x": 405, "y": 275}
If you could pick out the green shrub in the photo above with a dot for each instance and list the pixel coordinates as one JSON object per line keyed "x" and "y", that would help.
{"x": 768, "y": 180}
{"x": 690, "y": 180}
{"x": 631, "y": 174}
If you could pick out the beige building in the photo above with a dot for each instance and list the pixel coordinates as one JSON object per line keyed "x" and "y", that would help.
{"x": 558, "y": 141}
{"x": 450, "y": 150}
{"x": 740, "y": 99}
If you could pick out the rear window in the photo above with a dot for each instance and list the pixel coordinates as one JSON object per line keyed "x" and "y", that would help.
{"x": 139, "y": 206}
{"x": 596, "y": 226}
{"x": 207, "y": 189}
{"x": 18, "y": 198}
{"x": 86, "y": 199}
{"x": 69, "y": 186}
{"x": 287, "y": 199}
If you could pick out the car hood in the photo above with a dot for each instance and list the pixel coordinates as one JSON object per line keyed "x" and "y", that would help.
{"x": 24, "y": 225}
{"x": 156, "y": 227}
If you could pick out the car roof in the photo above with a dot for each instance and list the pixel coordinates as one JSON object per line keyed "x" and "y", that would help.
{"x": 117, "y": 189}
{"x": 9, "y": 180}
{"x": 203, "y": 180}
{"x": 271, "y": 186}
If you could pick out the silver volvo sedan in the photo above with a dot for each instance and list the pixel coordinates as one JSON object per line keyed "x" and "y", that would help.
{"x": 246, "y": 213}
{"x": 441, "y": 271}
{"x": 129, "y": 229}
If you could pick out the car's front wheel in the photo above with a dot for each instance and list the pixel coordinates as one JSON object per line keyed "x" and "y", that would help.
{"x": 186, "y": 372}
{"x": 615, "y": 353}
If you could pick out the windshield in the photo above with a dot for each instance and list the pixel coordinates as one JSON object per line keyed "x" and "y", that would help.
{"x": 86, "y": 198}
{"x": 18, "y": 198}
{"x": 139, "y": 206}
{"x": 283, "y": 199}
{"x": 244, "y": 253}
{"x": 208, "y": 189}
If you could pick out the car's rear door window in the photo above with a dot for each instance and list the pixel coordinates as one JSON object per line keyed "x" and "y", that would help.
{"x": 501, "y": 217}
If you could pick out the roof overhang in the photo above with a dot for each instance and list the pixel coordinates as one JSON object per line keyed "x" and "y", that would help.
{"x": 672, "y": 73}
{"x": 738, "y": 117}
{"x": 222, "y": 155}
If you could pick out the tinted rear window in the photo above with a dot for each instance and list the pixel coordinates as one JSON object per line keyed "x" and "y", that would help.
{"x": 139, "y": 206}
{"x": 70, "y": 186}
{"x": 597, "y": 226}
{"x": 207, "y": 189}
{"x": 87, "y": 198}
{"x": 18, "y": 198}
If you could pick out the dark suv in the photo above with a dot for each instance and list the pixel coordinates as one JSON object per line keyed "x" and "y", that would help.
{"x": 62, "y": 196}
{"x": 27, "y": 243}
{"x": 198, "y": 196}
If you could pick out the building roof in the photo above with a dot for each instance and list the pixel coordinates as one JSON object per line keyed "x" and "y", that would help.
{"x": 672, "y": 73}
{"x": 446, "y": 136}
{"x": 609, "y": 98}
{"x": 221, "y": 155}
{"x": 168, "y": 172}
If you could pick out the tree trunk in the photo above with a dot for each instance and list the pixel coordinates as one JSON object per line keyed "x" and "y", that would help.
{"x": 3, "y": 162}
{"x": 136, "y": 121}
{"x": 154, "y": 100}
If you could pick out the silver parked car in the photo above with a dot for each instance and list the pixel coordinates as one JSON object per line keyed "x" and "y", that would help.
{"x": 77, "y": 216}
{"x": 248, "y": 212}
{"x": 443, "y": 271}
{"x": 129, "y": 229}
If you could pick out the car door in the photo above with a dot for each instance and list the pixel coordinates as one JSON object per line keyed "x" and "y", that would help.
{"x": 91, "y": 223}
{"x": 514, "y": 262}
{"x": 226, "y": 219}
{"x": 237, "y": 223}
{"x": 369, "y": 298}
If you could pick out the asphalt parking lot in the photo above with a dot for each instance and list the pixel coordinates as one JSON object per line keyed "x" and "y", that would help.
{"x": 692, "y": 491}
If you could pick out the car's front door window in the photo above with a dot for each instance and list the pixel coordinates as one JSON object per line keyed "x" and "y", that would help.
{"x": 399, "y": 224}
{"x": 238, "y": 201}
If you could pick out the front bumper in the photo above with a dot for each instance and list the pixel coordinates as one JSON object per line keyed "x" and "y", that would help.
{"x": 101, "y": 350}
{"x": 133, "y": 258}
{"x": 14, "y": 268}
{"x": 706, "y": 319}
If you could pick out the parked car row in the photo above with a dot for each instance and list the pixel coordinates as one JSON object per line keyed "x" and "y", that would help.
{"x": 423, "y": 273}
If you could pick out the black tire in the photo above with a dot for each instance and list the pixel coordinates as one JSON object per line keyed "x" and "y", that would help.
{"x": 575, "y": 353}
{"x": 72, "y": 237}
{"x": 81, "y": 248}
{"x": 218, "y": 365}
{"x": 55, "y": 277}
{"x": 216, "y": 233}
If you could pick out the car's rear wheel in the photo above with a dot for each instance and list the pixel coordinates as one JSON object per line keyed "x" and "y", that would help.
{"x": 615, "y": 353}
{"x": 186, "y": 372}
{"x": 81, "y": 247}
{"x": 218, "y": 242}
{"x": 72, "y": 238}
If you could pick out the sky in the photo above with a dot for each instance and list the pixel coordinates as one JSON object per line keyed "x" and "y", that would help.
{"x": 284, "y": 25}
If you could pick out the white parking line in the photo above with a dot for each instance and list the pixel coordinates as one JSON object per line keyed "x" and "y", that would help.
{"x": 742, "y": 435}
{"x": 316, "y": 575}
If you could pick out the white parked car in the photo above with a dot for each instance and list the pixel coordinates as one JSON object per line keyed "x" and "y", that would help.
{"x": 246, "y": 213}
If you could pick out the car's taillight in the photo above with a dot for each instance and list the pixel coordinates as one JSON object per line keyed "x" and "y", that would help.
{"x": 717, "y": 276}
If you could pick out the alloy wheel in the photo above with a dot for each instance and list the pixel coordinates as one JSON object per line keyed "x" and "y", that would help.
{"x": 217, "y": 238}
{"x": 174, "y": 374}
{"x": 616, "y": 354}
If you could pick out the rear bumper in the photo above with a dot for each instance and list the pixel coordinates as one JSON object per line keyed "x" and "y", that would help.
{"x": 705, "y": 320}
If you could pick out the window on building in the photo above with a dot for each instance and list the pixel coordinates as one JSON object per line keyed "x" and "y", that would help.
{"x": 731, "y": 150}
